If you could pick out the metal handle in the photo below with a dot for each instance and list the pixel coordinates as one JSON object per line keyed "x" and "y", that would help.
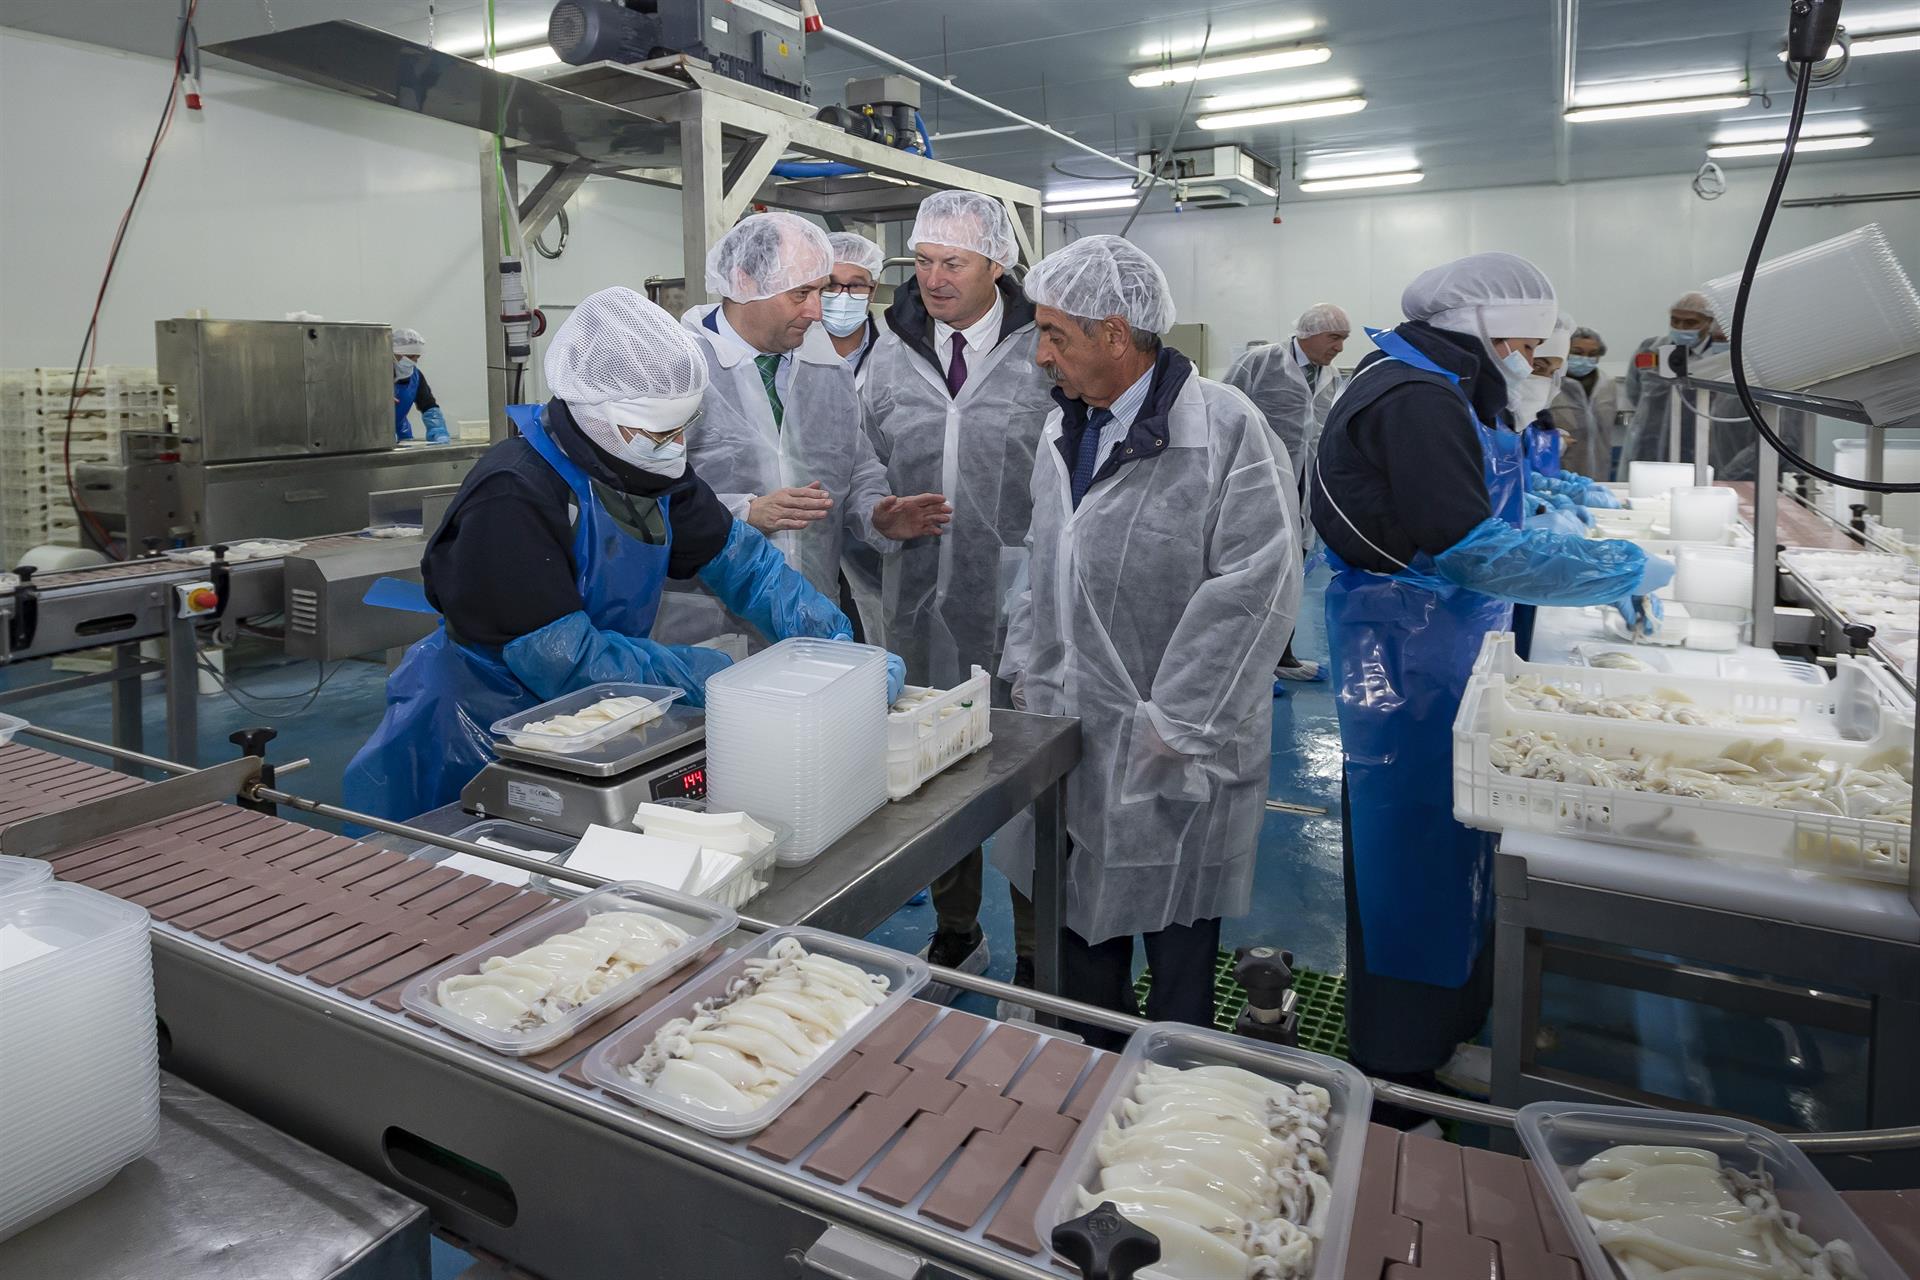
{"x": 840, "y": 1254}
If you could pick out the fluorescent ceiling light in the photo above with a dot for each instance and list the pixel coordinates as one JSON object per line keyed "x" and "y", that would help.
{"x": 1775, "y": 130}
{"x": 504, "y": 38}
{"x": 1670, "y": 107}
{"x": 1279, "y": 115}
{"x": 1097, "y": 191}
{"x": 539, "y": 55}
{"x": 1276, "y": 94}
{"x": 1245, "y": 64}
{"x": 1730, "y": 151}
{"x": 1867, "y": 46}
{"x": 1349, "y": 164}
{"x": 1358, "y": 181}
{"x": 1890, "y": 20}
{"x": 1227, "y": 38}
{"x": 1605, "y": 92}
{"x": 1089, "y": 206}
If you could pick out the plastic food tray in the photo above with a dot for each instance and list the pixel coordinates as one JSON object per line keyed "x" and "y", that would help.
{"x": 606, "y": 1065}
{"x": 704, "y": 923}
{"x": 10, "y": 725}
{"x": 1562, "y": 1136}
{"x": 1486, "y": 798}
{"x": 1174, "y": 1044}
{"x": 255, "y": 549}
{"x": 928, "y": 736}
{"x": 512, "y": 728}
{"x": 746, "y": 883}
{"x": 534, "y": 842}
{"x": 22, "y": 873}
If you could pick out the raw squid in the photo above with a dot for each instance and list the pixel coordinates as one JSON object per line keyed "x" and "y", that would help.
{"x": 1675, "y": 1213}
{"x": 588, "y": 718}
{"x": 741, "y": 1048}
{"x": 1224, "y": 1166}
{"x": 551, "y": 979}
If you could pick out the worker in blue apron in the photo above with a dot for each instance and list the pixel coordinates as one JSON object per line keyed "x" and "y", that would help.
{"x": 1421, "y": 502}
{"x": 548, "y": 567}
{"x": 410, "y": 390}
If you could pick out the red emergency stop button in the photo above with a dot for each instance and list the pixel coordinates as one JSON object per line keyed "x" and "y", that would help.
{"x": 201, "y": 599}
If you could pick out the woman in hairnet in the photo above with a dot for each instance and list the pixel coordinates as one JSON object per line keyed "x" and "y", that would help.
{"x": 1164, "y": 578}
{"x": 1420, "y": 496}
{"x": 548, "y": 566}
{"x": 410, "y": 390}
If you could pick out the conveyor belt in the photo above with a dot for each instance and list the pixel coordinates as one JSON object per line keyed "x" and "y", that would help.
{"x": 1799, "y": 525}
{"x": 152, "y": 566}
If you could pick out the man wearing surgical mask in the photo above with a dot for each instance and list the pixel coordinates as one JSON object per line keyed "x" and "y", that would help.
{"x": 846, "y": 303}
{"x": 1690, "y": 324}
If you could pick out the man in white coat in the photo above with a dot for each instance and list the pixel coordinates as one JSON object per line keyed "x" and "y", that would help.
{"x": 780, "y": 439}
{"x": 1163, "y": 581}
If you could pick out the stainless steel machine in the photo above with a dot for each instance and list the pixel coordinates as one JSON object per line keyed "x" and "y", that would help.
{"x": 285, "y": 428}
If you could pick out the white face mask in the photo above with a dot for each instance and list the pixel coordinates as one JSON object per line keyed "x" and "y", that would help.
{"x": 1528, "y": 398}
{"x": 662, "y": 459}
{"x": 843, "y": 313}
{"x": 402, "y": 370}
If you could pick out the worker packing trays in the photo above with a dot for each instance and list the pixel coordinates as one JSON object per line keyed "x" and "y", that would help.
{"x": 79, "y": 1059}
{"x": 1776, "y": 773}
{"x": 798, "y": 734}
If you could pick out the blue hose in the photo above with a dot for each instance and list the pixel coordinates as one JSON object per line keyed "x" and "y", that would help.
{"x": 926, "y": 143}
{"x": 835, "y": 169}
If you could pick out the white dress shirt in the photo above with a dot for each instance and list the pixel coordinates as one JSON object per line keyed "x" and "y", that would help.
{"x": 980, "y": 335}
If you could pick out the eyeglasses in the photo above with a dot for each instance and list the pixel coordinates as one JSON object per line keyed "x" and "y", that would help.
{"x": 665, "y": 437}
{"x": 860, "y": 291}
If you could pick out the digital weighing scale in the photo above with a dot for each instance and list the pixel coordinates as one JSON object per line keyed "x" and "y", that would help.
{"x": 664, "y": 759}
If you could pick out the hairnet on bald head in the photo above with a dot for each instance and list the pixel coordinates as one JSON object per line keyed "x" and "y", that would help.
{"x": 766, "y": 254}
{"x": 966, "y": 220}
{"x": 856, "y": 251}
{"x": 1697, "y": 302}
{"x": 618, "y": 346}
{"x": 1322, "y": 317}
{"x": 1100, "y": 276}
{"x": 1589, "y": 335}
{"x": 1559, "y": 341}
{"x": 1493, "y": 295}
{"x": 408, "y": 342}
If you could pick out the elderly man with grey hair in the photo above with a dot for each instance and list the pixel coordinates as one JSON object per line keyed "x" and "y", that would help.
{"x": 1586, "y": 407}
{"x": 1163, "y": 578}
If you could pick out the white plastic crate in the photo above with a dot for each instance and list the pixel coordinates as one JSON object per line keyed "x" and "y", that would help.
{"x": 928, "y": 736}
{"x": 1491, "y": 800}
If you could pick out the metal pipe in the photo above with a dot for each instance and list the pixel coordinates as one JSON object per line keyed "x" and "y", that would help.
{"x": 1166, "y": 160}
{"x": 979, "y": 133}
{"x": 101, "y": 748}
{"x": 901, "y": 65}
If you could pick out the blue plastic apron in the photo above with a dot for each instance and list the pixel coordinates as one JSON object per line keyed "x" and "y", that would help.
{"x": 444, "y": 694}
{"x": 1403, "y": 646}
{"x": 404, "y": 394}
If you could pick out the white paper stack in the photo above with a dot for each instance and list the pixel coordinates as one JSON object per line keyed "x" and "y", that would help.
{"x": 798, "y": 734}
{"x": 79, "y": 1066}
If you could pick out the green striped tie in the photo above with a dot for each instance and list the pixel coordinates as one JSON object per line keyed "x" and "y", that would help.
{"x": 769, "y": 377}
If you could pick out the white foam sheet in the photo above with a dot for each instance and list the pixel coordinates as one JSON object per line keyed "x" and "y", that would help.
{"x": 1776, "y": 893}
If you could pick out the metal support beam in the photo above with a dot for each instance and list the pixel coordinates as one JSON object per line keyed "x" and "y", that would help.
{"x": 550, "y": 195}
{"x": 129, "y": 728}
{"x": 499, "y": 377}
{"x": 1766, "y": 537}
{"x": 702, "y": 195}
{"x": 1702, "y": 435}
{"x": 183, "y": 691}
{"x": 751, "y": 166}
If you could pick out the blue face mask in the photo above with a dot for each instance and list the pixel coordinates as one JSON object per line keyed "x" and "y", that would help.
{"x": 1581, "y": 366}
{"x": 1683, "y": 337}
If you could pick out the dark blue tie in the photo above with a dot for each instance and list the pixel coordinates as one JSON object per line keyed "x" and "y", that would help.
{"x": 1087, "y": 461}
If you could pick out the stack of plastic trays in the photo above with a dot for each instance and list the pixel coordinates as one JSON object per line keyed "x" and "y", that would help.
{"x": 1829, "y": 309}
{"x": 79, "y": 1071}
{"x": 20, "y": 874}
{"x": 798, "y": 734}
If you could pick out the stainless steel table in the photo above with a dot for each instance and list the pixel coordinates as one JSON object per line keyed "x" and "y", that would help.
{"x": 854, "y": 885}
{"x": 223, "y": 1197}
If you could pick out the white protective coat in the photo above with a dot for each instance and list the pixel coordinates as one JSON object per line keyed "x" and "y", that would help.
{"x": 943, "y": 600}
{"x": 1156, "y": 613}
{"x": 741, "y": 455}
{"x": 1274, "y": 381}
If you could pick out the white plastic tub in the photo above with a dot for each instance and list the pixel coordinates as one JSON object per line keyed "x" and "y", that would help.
{"x": 1174, "y": 1044}
{"x": 930, "y": 735}
{"x": 606, "y": 1065}
{"x": 703, "y": 922}
{"x": 1562, "y": 1136}
{"x": 515, "y": 728}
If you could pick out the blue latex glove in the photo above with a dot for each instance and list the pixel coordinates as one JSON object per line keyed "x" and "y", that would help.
{"x": 1643, "y": 613}
{"x": 436, "y": 421}
{"x": 753, "y": 579}
{"x": 1601, "y": 497}
{"x": 1572, "y": 508}
{"x": 1557, "y": 520}
{"x": 1657, "y": 574}
{"x": 571, "y": 653}
{"x": 1533, "y": 566}
{"x": 1574, "y": 487}
{"x": 896, "y": 677}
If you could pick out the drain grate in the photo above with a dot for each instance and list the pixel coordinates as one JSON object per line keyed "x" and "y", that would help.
{"x": 1323, "y": 1004}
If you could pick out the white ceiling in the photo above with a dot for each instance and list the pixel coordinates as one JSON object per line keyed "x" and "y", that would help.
{"x": 1470, "y": 88}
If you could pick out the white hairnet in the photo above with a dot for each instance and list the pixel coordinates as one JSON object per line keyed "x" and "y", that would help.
{"x": 1558, "y": 342}
{"x": 966, "y": 220}
{"x": 766, "y": 254}
{"x": 1100, "y": 276}
{"x": 618, "y": 346}
{"x": 1695, "y": 301}
{"x": 1494, "y": 295}
{"x": 856, "y": 251}
{"x": 408, "y": 342}
{"x": 1322, "y": 317}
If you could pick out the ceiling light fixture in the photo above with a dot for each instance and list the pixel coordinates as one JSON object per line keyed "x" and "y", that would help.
{"x": 1867, "y": 46}
{"x": 1359, "y": 181}
{"x": 1280, "y": 115}
{"x": 1099, "y": 191}
{"x": 1277, "y": 94}
{"x": 1227, "y": 38}
{"x": 1734, "y": 150}
{"x": 1601, "y": 93}
{"x": 1245, "y": 64}
{"x": 1089, "y": 206}
{"x": 1775, "y": 130}
{"x": 1355, "y": 164}
{"x": 1665, "y": 107}
{"x": 540, "y": 55}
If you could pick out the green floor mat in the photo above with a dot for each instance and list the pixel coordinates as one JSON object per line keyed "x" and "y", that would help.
{"x": 1323, "y": 1005}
